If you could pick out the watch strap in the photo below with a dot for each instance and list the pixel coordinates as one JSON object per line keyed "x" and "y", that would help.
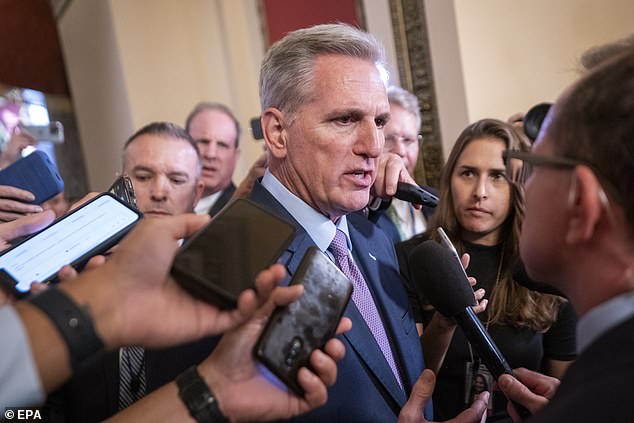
{"x": 198, "y": 398}
{"x": 73, "y": 322}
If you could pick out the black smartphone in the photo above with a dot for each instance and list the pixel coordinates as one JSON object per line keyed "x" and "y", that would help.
{"x": 415, "y": 194}
{"x": 223, "y": 258}
{"x": 123, "y": 189}
{"x": 91, "y": 229}
{"x": 294, "y": 331}
{"x": 35, "y": 173}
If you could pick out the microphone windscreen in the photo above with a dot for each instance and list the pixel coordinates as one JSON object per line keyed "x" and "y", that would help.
{"x": 441, "y": 277}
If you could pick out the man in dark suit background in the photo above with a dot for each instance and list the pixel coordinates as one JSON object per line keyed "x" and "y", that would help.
{"x": 217, "y": 133}
{"x": 578, "y": 235}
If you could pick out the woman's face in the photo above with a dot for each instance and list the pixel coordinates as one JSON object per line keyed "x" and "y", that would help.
{"x": 480, "y": 192}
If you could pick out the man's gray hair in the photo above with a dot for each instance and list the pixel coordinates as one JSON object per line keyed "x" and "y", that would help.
{"x": 408, "y": 101}
{"x": 286, "y": 74}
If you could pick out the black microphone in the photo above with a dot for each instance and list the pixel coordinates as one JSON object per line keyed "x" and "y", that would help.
{"x": 415, "y": 194}
{"x": 444, "y": 284}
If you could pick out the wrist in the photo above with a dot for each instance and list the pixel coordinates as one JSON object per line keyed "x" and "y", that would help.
{"x": 219, "y": 385}
{"x": 73, "y": 321}
{"x": 95, "y": 293}
{"x": 200, "y": 400}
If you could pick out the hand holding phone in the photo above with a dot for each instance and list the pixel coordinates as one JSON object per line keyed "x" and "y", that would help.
{"x": 294, "y": 331}
{"x": 35, "y": 173}
{"x": 415, "y": 195}
{"x": 89, "y": 230}
{"x": 223, "y": 259}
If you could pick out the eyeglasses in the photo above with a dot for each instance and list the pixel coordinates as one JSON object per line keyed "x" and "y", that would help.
{"x": 392, "y": 139}
{"x": 519, "y": 174}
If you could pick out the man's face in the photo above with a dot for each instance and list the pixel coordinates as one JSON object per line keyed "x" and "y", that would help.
{"x": 401, "y": 136}
{"x": 216, "y": 136}
{"x": 333, "y": 143}
{"x": 163, "y": 172}
{"x": 542, "y": 239}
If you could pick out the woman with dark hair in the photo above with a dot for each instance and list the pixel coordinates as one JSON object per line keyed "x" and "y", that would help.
{"x": 481, "y": 211}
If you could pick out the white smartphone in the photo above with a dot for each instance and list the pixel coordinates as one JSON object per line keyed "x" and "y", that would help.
{"x": 73, "y": 239}
{"x": 446, "y": 242}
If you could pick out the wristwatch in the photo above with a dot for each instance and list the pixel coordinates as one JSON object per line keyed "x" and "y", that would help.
{"x": 198, "y": 398}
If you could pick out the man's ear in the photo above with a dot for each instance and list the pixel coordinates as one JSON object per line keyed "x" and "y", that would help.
{"x": 585, "y": 206}
{"x": 200, "y": 188}
{"x": 274, "y": 131}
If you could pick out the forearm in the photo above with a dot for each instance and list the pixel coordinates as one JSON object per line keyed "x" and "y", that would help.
{"x": 48, "y": 348}
{"x": 162, "y": 405}
{"x": 435, "y": 340}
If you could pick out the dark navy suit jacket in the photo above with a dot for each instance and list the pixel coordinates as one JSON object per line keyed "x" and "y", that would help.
{"x": 366, "y": 389}
{"x": 599, "y": 385}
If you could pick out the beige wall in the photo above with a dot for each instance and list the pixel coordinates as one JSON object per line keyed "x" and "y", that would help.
{"x": 134, "y": 61}
{"x": 512, "y": 54}
{"x": 518, "y": 53}
{"x": 97, "y": 83}
{"x": 149, "y": 60}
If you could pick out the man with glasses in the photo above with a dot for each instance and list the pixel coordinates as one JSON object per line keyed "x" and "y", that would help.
{"x": 401, "y": 221}
{"x": 578, "y": 235}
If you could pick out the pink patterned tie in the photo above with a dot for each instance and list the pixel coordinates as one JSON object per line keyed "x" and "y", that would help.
{"x": 363, "y": 298}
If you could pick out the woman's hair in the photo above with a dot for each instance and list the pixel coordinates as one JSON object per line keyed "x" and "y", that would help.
{"x": 509, "y": 303}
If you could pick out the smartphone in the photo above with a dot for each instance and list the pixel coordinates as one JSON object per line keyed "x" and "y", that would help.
{"x": 89, "y": 230}
{"x": 294, "y": 331}
{"x": 446, "y": 242}
{"x": 52, "y": 132}
{"x": 415, "y": 194}
{"x": 123, "y": 189}
{"x": 35, "y": 173}
{"x": 223, "y": 259}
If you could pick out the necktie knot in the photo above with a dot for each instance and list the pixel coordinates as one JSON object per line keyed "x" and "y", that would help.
{"x": 339, "y": 246}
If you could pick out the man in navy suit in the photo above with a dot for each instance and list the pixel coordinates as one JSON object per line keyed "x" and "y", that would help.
{"x": 578, "y": 235}
{"x": 323, "y": 93}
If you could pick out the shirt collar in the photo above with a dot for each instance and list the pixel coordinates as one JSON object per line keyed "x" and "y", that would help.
{"x": 604, "y": 317}
{"x": 319, "y": 227}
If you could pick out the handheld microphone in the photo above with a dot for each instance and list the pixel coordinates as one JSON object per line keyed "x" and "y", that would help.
{"x": 415, "y": 194}
{"x": 444, "y": 284}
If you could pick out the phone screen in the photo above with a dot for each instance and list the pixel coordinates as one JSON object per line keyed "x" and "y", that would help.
{"x": 68, "y": 239}
{"x": 294, "y": 331}
{"x": 224, "y": 257}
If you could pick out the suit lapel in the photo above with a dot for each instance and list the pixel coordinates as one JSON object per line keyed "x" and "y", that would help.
{"x": 222, "y": 201}
{"x": 361, "y": 339}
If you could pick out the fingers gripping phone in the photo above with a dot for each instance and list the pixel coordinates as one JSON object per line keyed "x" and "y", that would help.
{"x": 123, "y": 189}
{"x": 35, "y": 173}
{"x": 89, "y": 230}
{"x": 223, "y": 259}
{"x": 293, "y": 332}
